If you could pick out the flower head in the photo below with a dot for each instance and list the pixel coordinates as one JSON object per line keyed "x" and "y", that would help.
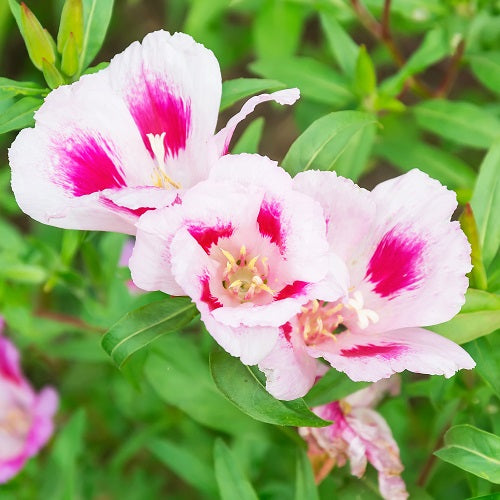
{"x": 25, "y": 416}
{"x": 360, "y": 435}
{"x": 127, "y": 139}
{"x": 245, "y": 247}
{"x": 407, "y": 267}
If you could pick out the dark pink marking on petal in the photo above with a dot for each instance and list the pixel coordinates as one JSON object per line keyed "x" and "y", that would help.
{"x": 134, "y": 212}
{"x": 156, "y": 109}
{"x": 206, "y": 236}
{"x": 177, "y": 201}
{"x": 206, "y": 294}
{"x": 287, "y": 331}
{"x": 387, "y": 351}
{"x": 296, "y": 289}
{"x": 396, "y": 263}
{"x": 270, "y": 224}
{"x": 87, "y": 165}
{"x": 9, "y": 362}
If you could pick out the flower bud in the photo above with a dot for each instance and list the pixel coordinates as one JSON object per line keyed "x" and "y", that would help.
{"x": 71, "y": 25}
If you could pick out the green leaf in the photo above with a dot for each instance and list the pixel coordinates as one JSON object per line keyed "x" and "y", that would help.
{"x": 305, "y": 486}
{"x": 323, "y": 142}
{"x": 232, "y": 481}
{"x": 97, "y": 15}
{"x": 434, "y": 47}
{"x": 353, "y": 160}
{"x": 185, "y": 463}
{"x": 486, "y": 67}
{"x": 61, "y": 475}
{"x": 22, "y": 273}
{"x": 11, "y": 88}
{"x": 332, "y": 386}
{"x": 459, "y": 121}
{"x": 487, "y": 361}
{"x": 19, "y": 115}
{"x": 343, "y": 48}
{"x": 144, "y": 325}
{"x": 315, "y": 80}
{"x": 473, "y": 450}
{"x": 486, "y": 204}
{"x": 406, "y": 154}
{"x": 250, "y": 139}
{"x": 477, "y": 276}
{"x": 479, "y": 316}
{"x": 239, "y": 88}
{"x": 180, "y": 376}
{"x": 271, "y": 40}
{"x": 246, "y": 391}
{"x": 365, "y": 81}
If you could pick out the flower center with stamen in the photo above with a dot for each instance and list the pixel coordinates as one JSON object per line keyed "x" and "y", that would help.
{"x": 16, "y": 422}
{"x": 318, "y": 320}
{"x": 159, "y": 176}
{"x": 245, "y": 277}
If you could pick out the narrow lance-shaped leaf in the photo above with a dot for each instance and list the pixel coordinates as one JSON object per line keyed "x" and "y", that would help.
{"x": 480, "y": 315}
{"x": 487, "y": 359}
{"x": 97, "y": 15}
{"x": 365, "y": 80}
{"x": 38, "y": 41}
{"x": 11, "y": 88}
{"x": 19, "y": 115}
{"x": 322, "y": 143}
{"x": 473, "y": 450}
{"x": 486, "y": 67}
{"x": 469, "y": 227}
{"x": 144, "y": 325}
{"x": 486, "y": 204}
{"x": 250, "y": 139}
{"x": 232, "y": 481}
{"x": 305, "y": 487}
{"x": 242, "y": 386}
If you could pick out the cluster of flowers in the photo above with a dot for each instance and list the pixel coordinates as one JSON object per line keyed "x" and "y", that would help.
{"x": 283, "y": 271}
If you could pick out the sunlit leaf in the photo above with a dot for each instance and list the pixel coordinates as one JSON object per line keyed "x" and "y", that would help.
{"x": 486, "y": 67}
{"x": 324, "y": 142}
{"x": 144, "y": 325}
{"x": 19, "y": 115}
{"x": 473, "y": 450}
{"x": 241, "y": 385}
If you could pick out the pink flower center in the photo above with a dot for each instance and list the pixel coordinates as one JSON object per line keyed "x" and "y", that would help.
{"x": 16, "y": 422}
{"x": 245, "y": 276}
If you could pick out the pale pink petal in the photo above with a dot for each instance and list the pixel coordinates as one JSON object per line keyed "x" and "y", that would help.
{"x": 349, "y": 210}
{"x": 371, "y": 357}
{"x": 172, "y": 85}
{"x": 290, "y": 371}
{"x": 150, "y": 263}
{"x": 223, "y": 137}
{"x": 10, "y": 367}
{"x": 415, "y": 268}
{"x": 84, "y": 142}
{"x": 392, "y": 486}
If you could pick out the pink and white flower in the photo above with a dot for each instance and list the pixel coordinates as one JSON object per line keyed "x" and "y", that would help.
{"x": 127, "y": 139}
{"x": 360, "y": 434}
{"x": 246, "y": 248}
{"x": 407, "y": 264}
{"x": 26, "y": 418}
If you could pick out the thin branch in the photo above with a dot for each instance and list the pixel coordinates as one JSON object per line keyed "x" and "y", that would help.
{"x": 68, "y": 320}
{"x": 452, "y": 72}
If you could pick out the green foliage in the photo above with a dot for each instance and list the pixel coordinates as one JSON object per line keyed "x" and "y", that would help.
{"x": 473, "y": 450}
{"x": 144, "y": 325}
{"x": 244, "y": 387}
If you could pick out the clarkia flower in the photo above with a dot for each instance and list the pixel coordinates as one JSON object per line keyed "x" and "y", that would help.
{"x": 407, "y": 265}
{"x": 126, "y": 139}
{"x": 26, "y": 418}
{"x": 358, "y": 434}
{"x": 245, "y": 247}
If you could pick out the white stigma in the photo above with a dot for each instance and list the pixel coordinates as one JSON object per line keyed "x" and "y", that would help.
{"x": 158, "y": 148}
{"x": 365, "y": 315}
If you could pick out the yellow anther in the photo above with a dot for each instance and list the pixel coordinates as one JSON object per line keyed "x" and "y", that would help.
{"x": 236, "y": 284}
{"x": 315, "y": 305}
{"x": 229, "y": 257}
{"x": 243, "y": 250}
{"x": 251, "y": 264}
